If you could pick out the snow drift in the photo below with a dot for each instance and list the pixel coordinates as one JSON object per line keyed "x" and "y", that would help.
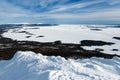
{"x": 31, "y": 66}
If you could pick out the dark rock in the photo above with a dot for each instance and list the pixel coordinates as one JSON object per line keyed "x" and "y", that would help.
{"x": 25, "y": 32}
{"x": 28, "y": 36}
{"x": 57, "y": 42}
{"x": 98, "y": 49}
{"x": 96, "y": 29}
{"x": 94, "y": 43}
{"x": 115, "y": 50}
{"x": 118, "y": 38}
{"x": 40, "y": 36}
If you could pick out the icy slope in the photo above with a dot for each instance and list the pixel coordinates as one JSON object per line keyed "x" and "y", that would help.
{"x": 31, "y": 66}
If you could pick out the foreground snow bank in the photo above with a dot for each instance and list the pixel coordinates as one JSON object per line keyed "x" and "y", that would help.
{"x": 32, "y": 66}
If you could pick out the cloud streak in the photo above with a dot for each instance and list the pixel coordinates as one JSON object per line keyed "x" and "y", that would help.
{"x": 56, "y": 11}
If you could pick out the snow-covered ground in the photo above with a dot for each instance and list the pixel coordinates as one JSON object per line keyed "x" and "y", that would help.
{"x": 70, "y": 34}
{"x": 32, "y": 66}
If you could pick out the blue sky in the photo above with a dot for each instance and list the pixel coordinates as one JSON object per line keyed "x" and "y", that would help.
{"x": 60, "y": 11}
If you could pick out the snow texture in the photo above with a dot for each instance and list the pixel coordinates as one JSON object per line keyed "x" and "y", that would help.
{"x": 31, "y": 66}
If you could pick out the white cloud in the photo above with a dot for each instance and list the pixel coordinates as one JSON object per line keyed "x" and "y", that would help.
{"x": 8, "y": 10}
{"x": 59, "y": 12}
{"x": 111, "y": 15}
{"x": 113, "y": 2}
{"x": 74, "y": 6}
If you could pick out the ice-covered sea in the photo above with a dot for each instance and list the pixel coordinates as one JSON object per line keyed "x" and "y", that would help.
{"x": 70, "y": 34}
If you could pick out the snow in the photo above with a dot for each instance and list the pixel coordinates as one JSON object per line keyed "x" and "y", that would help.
{"x": 31, "y": 66}
{"x": 70, "y": 34}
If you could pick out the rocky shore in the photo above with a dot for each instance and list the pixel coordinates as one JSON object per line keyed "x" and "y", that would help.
{"x": 9, "y": 47}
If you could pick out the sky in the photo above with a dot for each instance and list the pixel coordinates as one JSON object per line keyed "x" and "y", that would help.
{"x": 60, "y": 11}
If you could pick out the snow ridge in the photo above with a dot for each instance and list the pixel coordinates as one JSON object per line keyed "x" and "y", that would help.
{"x": 31, "y": 66}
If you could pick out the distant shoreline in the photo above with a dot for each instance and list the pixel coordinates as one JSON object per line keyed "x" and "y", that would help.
{"x": 40, "y": 24}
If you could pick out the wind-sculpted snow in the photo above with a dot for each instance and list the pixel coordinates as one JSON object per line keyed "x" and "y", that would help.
{"x": 31, "y": 66}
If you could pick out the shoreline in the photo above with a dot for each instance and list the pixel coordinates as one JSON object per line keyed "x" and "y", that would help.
{"x": 9, "y": 47}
